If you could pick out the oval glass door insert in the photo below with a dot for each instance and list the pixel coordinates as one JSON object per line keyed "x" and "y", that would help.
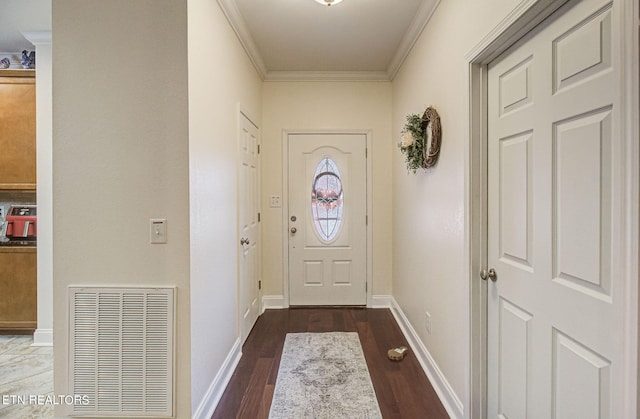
{"x": 327, "y": 200}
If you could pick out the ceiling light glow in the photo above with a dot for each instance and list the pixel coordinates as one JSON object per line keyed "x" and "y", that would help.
{"x": 328, "y": 2}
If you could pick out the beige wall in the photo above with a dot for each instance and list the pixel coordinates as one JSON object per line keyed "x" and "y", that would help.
{"x": 428, "y": 208}
{"x": 120, "y": 157}
{"x": 215, "y": 90}
{"x": 326, "y": 106}
{"x": 142, "y": 130}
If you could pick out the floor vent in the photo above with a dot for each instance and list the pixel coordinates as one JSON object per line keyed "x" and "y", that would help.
{"x": 122, "y": 352}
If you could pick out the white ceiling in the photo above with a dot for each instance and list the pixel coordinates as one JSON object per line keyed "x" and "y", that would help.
{"x": 301, "y": 39}
{"x": 287, "y": 39}
{"x": 17, "y": 16}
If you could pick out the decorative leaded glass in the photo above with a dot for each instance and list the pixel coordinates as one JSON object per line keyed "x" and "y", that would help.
{"x": 327, "y": 200}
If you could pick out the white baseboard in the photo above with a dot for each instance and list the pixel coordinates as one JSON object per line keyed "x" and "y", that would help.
{"x": 445, "y": 392}
{"x": 277, "y": 302}
{"x": 211, "y": 398}
{"x": 273, "y": 302}
{"x": 381, "y": 301}
{"x": 43, "y": 337}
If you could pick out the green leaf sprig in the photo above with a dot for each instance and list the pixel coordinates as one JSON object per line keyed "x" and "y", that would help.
{"x": 412, "y": 144}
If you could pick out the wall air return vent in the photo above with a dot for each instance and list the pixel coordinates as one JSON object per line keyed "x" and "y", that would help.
{"x": 122, "y": 351}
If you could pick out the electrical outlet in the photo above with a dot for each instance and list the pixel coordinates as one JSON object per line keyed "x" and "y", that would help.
{"x": 428, "y": 321}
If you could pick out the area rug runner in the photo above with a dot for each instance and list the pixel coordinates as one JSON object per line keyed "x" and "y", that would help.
{"x": 323, "y": 376}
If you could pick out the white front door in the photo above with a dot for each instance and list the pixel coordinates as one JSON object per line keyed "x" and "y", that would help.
{"x": 249, "y": 230}
{"x": 327, "y": 219}
{"x": 555, "y": 317}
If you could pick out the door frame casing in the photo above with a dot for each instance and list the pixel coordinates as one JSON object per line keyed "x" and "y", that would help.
{"x": 285, "y": 207}
{"x": 526, "y": 16}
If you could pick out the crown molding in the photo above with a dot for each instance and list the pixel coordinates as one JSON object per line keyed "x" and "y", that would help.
{"x": 230, "y": 10}
{"x": 287, "y": 76}
{"x": 38, "y": 38}
{"x": 422, "y": 17}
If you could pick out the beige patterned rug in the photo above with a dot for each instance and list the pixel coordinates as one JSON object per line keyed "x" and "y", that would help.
{"x": 322, "y": 376}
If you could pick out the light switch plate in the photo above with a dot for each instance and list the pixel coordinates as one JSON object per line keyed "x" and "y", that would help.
{"x": 274, "y": 202}
{"x": 158, "y": 230}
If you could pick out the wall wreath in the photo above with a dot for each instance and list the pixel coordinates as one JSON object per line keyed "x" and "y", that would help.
{"x": 421, "y": 139}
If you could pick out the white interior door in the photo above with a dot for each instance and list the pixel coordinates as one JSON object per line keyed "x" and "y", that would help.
{"x": 554, "y": 311}
{"x": 327, "y": 219}
{"x": 249, "y": 230}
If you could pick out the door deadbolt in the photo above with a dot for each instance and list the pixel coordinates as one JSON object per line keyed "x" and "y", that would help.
{"x": 293, "y": 218}
{"x": 489, "y": 274}
{"x": 294, "y": 230}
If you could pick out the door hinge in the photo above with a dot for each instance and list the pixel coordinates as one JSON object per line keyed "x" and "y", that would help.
{"x": 258, "y": 217}
{"x": 366, "y": 153}
{"x": 259, "y": 285}
{"x": 366, "y": 220}
{"x": 366, "y": 287}
{"x": 258, "y": 148}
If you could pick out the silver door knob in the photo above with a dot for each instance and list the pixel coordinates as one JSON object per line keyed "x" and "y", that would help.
{"x": 244, "y": 241}
{"x": 489, "y": 274}
{"x": 294, "y": 230}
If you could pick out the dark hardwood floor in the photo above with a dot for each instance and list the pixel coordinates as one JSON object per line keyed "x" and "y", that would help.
{"x": 402, "y": 388}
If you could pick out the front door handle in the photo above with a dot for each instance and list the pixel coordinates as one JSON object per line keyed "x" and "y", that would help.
{"x": 294, "y": 230}
{"x": 244, "y": 241}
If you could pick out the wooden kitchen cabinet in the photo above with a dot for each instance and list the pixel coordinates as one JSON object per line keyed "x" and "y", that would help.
{"x": 18, "y": 289}
{"x": 17, "y": 129}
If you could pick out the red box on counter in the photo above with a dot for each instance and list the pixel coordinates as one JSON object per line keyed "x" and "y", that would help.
{"x": 22, "y": 221}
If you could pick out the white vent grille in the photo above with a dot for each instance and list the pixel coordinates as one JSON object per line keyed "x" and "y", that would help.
{"x": 121, "y": 351}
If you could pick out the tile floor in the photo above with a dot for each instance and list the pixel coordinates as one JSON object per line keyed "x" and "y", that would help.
{"x": 25, "y": 371}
